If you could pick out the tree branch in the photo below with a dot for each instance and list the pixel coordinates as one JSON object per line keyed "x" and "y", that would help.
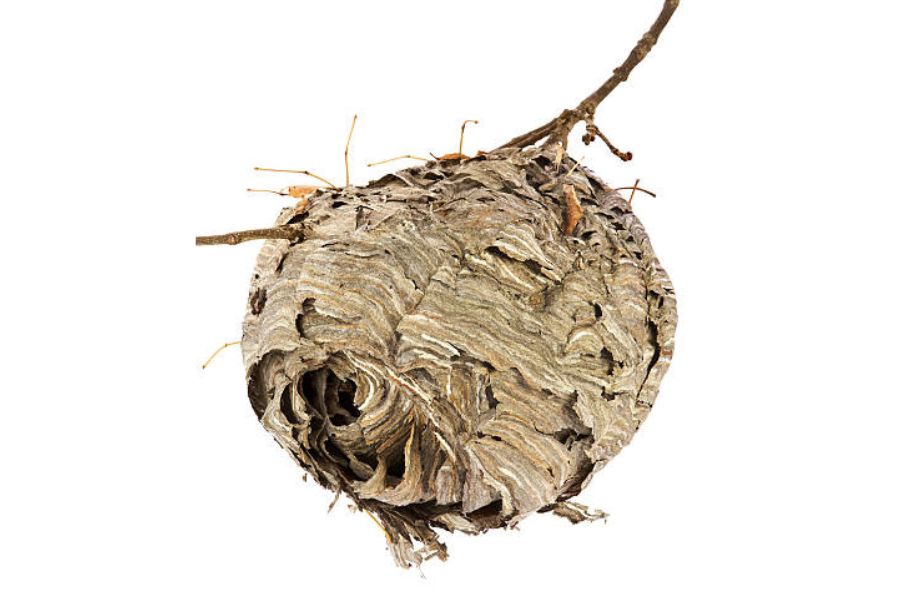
{"x": 557, "y": 130}
{"x": 285, "y": 232}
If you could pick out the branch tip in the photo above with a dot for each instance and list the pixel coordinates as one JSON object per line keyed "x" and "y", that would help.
{"x": 216, "y": 353}
{"x": 558, "y": 129}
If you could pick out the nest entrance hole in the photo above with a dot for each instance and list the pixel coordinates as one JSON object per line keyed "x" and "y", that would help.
{"x": 335, "y": 397}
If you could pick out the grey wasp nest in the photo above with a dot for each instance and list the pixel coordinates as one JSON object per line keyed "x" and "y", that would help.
{"x": 436, "y": 348}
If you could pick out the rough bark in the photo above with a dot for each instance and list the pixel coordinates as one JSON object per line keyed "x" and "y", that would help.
{"x": 437, "y": 348}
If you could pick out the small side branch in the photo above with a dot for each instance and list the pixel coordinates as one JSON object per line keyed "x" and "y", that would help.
{"x": 285, "y": 232}
{"x": 462, "y": 133}
{"x": 401, "y": 157}
{"x": 559, "y": 128}
{"x": 347, "y": 153}
{"x": 216, "y": 353}
{"x": 593, "y": 131}
{"x": 299, "y": 171}
{"x": 635, "y": 187}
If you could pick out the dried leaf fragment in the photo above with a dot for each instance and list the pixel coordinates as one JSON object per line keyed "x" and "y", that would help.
{"x": 301, "y": 191}
{"x": 576, "y": 512}
{"x": 574, "y": 212}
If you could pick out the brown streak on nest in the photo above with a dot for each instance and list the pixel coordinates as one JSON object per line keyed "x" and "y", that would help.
{"x": 438, "y": 347}
{"x": 574, "y": 211}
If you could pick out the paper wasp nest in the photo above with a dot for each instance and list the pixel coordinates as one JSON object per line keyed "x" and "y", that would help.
{"x": 437, "y": 349}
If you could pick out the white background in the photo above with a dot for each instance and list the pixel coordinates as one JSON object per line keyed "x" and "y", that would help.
{"x": 769, "y": 130}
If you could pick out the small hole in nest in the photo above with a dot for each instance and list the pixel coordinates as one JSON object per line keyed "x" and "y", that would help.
{"x": 308, "y": 387}
{"x": 258, "y": 301}
{"x": 337, "y": 455}
{"x": 396, "y": 468}
{"x": 339, "y": 399}
{"x": 286, "y": 408}
{"x": 346, "y": 393}
{"x": 488, "y": 514}
{"x": 489, "y": 393}
{"x": 367, "y": 459}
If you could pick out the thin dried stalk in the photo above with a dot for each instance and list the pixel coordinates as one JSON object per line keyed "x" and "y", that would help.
{"x": 299, "y": 172}
{"x": 636, "y": 187}
{"x": 401, "y": 157}
{"x": 284, "y": 232}
{"x": 347, "y": 152}
{"x": 216, "y": 353}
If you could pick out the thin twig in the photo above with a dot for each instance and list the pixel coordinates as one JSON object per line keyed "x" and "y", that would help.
{"x": 285, "y": 232}
{"x": 380, "y": 526}
{"x": 300, "y": 171}
{"x": 575, "y": 166}
{"x": 558, "y": 129}
{"x": 276, "y": 192}
{"x": 462, "y": 132}
{"x": 216, "y": 353}
{"x": 347, "y": 152}
{"x": 634, "y": 187}
{"x": 401, "y": 157}
{"x": 294, "y": 191}
{"x": 633, "y": 190}
{"x": 592, "y": 131}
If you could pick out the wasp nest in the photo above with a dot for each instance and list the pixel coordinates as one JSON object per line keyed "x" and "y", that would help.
{"x": 440, "y": 350}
